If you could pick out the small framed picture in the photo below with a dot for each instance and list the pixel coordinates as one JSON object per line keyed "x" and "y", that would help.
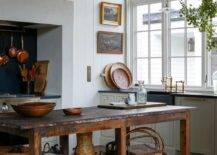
{"x": 109, "y": 42}
{"x": 110, "y": 14}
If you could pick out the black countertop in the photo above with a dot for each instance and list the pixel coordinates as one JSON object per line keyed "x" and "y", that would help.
{"x": 17, "y": 96}
{"x": 204, "y": 94}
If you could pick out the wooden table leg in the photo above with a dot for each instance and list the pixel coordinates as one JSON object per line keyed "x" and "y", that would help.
{"x": 64, "y": 143}
{"x": 185, "y": 135}
{"x": 35, "y": 143}
{"x": 120, "y": 136}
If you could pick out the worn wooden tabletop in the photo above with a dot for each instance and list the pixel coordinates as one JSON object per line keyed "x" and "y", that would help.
{"x": 92, "y": 114}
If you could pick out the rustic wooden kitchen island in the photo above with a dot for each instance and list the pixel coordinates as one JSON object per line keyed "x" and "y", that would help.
{"x": 93, "y": 119}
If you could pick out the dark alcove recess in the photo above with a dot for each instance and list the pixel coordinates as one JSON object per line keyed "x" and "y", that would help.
{"x": 10, "y": 78}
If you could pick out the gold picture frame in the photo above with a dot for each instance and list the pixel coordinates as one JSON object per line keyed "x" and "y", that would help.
{"x": 110, "y": 14}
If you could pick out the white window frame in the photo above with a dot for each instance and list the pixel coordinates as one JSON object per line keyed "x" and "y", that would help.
{"x": 131, "y": 46}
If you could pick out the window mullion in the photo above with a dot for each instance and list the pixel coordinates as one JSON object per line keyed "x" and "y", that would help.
{"x": 185, "y": 51}
{"x": 149, "y": 46}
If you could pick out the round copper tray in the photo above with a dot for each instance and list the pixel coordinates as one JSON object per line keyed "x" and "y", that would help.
{"x": 121, "y": 75}
{"x": 107, "y": 76}
{"x": 34, "y": 109}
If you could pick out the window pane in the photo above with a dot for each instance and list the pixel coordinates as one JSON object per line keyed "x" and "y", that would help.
{"x": 155, "y": 16}
{"x": 177, "y": 69}
{"x": 142, "y": 17}
{"x": 156, "y": 71}
{"x": 177, "y": 42}
{"x": 194, "y": 42}
{"x": 213, "y": 62}
{"x": 142, "y": 44}
{"x": 194, "y": 71}
{"x": 176, "y": 20}
{"x": 156, "y": 43}
{"x": 214, "y": 21}
{"x": 142, "y": 70}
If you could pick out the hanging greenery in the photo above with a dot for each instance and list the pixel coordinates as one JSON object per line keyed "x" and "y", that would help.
{"x": 201, "y": 18}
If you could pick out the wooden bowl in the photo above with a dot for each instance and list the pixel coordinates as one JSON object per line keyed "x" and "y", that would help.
{"x": 34, "y": 109}
{"x": 72, "y": 111}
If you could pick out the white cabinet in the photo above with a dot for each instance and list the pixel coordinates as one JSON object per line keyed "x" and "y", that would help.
{"x": 215, "y": 127}
{"x": 202, "y": 124}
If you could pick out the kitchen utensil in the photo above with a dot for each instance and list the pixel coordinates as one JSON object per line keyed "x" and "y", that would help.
{"x": 22, "y": 55}
{"x": 134, "y": 106}
{"x": 41, "y": 70}
{"x": 12, "y": 52}
{"x": 24, "y": 72}
{"x": 72, "y": 111}
{"x": 4, "y": 59}
{"x": 40, "y": 85}
{"x": 123, "y": 66}
{"x": 34, "y": 109}
{"x": 121, "y": 79}
{"x": 122, "y": 75}
{"x": 107, "y": 76}
{"x": 1, "y": 60}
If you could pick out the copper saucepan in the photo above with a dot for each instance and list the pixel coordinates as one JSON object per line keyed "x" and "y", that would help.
{"x": 12, "y": 52}
{"x": 22, "y": 55}
{"x": 4, "y": 59}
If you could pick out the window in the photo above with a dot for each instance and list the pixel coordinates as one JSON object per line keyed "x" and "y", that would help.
{"x": 164, "y": 44}
{"x": 186, "y": 47}
{"x": 149, "y": 43}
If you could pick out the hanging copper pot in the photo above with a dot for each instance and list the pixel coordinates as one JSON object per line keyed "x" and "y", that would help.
{"x": 12, "y": 52}
{"x": 22, "y": 55}
{"x": 1, "y": 60}
{"x": 4, "y": 59}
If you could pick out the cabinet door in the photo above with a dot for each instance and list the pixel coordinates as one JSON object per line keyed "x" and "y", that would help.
{"x": 166, "y": 129}
{"x": 202, "y": 125}
{"x": 215, "y": 127}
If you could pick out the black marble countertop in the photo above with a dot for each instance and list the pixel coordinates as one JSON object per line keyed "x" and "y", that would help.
{"x": 17, "y": 96}
{"x": 204, "y": 94}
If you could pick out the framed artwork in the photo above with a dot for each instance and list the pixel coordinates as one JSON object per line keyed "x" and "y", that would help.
{"x": 110, "y": 14}
{"x": 109, "y": 42}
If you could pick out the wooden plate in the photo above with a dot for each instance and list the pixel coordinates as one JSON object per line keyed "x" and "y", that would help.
{"x": 107, "y": 77}
{"x": 121, "y": 78}
{"x": 124, "y": 71}
{"x": 127, "y": 70}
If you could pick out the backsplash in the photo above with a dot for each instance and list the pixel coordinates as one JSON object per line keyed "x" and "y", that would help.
{"x": 10, "y": 79}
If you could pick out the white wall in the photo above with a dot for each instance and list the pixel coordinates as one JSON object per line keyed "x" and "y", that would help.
{"x": 86, "y": 19}
{"x": 49, "y": 42}
{"x": 85, "y": 31}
